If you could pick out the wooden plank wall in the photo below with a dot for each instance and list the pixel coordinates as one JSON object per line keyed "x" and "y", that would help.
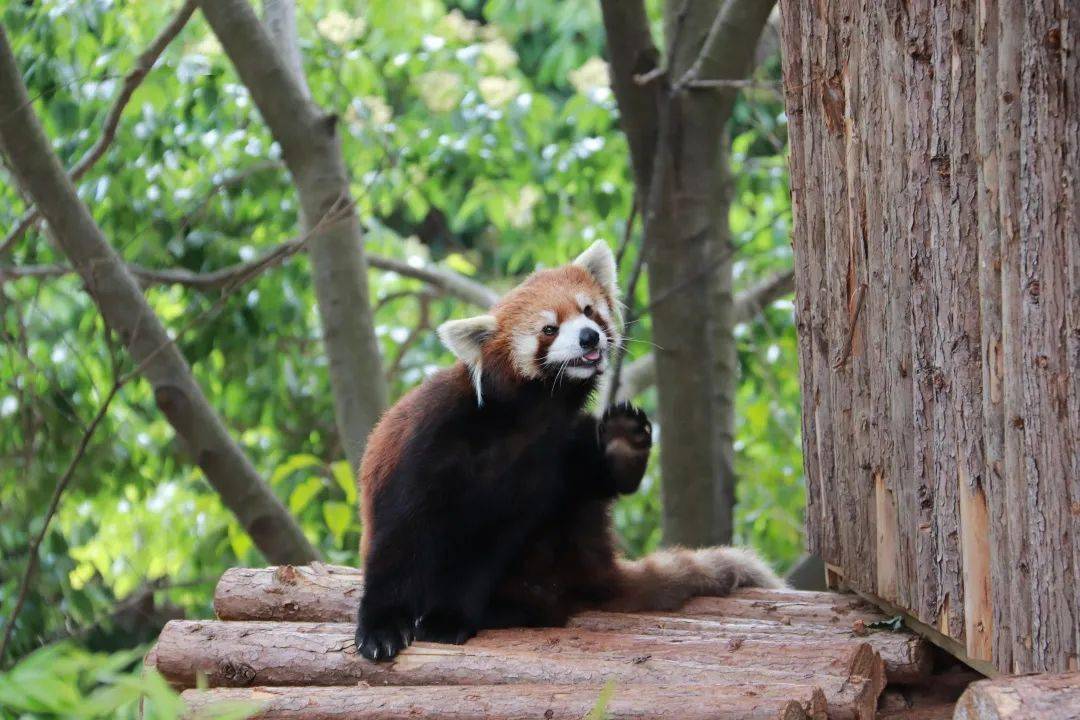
{"x": 935, "y": 180}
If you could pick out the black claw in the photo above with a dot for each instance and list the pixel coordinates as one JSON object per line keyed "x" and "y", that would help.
{"x": 383, "y": 642}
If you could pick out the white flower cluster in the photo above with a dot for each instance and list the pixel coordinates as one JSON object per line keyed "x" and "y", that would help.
{"x": 339, "y": 27}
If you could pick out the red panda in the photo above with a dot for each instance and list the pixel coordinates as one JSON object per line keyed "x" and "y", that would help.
{"x": 486, "y": 490}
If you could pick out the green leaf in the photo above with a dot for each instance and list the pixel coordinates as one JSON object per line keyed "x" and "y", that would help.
{"x": 239, "y": 541}
{"x": 304, "y": 493}
{"x": 344, "y": 476}
{"x": 301, "y": 461}
{"x": 338, "y": 518}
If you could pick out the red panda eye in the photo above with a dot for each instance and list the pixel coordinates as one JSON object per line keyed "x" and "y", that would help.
{"x": 588, "y": 311}
{"x": 550, "y": 330}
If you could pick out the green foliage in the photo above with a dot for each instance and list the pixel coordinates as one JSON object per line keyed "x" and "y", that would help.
{"x": 68, "y": 682}
{"x": 480, "y": 134}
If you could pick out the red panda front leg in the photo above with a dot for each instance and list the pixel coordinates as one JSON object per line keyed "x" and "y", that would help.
{"x": 607, "y": 457}
{"x": 625, "y": 437}
{"x": 384, "y": 626}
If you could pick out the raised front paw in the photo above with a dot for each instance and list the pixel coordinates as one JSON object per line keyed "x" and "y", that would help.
{"x": 382, "y": 640}
{"x": 626, "y": 438}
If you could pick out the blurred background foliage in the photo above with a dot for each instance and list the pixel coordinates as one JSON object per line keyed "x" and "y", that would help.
{"x": 481, "y": 136}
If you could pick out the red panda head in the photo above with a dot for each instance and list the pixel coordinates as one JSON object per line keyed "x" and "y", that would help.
{"x": 560, "y": 325}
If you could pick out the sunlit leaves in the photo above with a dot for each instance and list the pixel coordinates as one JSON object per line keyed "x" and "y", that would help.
{"x": 479, "y": 134}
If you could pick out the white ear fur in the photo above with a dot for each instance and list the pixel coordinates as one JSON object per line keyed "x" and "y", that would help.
{"x": 599, "y": 261}
{"x": 465, "y": 338}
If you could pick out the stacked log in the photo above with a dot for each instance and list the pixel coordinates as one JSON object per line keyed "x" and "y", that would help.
{"x": 811, "y": 621}
{"x": 284, "y": 641}
{"x": 1026, "y": 697}
{"x": 553, "y": 702}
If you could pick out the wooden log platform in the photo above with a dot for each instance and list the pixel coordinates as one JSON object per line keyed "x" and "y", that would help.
{"x": 284, "y": 641}
{"x": 806, "y": 620}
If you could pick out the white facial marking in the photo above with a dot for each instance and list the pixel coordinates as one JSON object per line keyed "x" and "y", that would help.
{"x": 549, "y": 317}
{"x": 523, "y": 354}
{"x": 567, "y": 355}
{"x": 583, "y": 300}
{"x": 604, "y": 311}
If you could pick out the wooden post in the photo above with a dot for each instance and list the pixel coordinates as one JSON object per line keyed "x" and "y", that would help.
{"x": 936, "y": 215}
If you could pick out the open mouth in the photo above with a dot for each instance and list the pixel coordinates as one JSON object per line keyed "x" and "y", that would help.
{"x": 589, "y": 359}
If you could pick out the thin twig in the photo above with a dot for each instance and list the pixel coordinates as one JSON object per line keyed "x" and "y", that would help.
{"x": 630, "y": 319}
{"x": 132, "y": 80}
{"x": 700, "y": 275}
{"x": 414, "y": 335}
{"x": 440, "y": 279}
{"x": 694, "y": 71}
{"x": 645, "y": 78}
{"x": 338, "y": 210}
{"x": 755, "y": 299}
{"x": 54, "y": 503}
{"x": 774, "y": 87}
{"x": 628, "y": 232}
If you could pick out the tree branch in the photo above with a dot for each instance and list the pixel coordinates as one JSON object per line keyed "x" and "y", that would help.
{"x": 143, "y": 64}
{"x": 631, "y": 54}
{"x": 640, "y": 375}
{"x": 637, "y": 377}
{"x": 127, "y": 313}
{"x": 445, "y": 281}
{"x": 728, "y": 50}
{"x": 752, "y": 301}
{"x": 312, "y": 151}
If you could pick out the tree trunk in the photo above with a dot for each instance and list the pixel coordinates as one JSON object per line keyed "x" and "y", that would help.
{"x": 1030, "y": 697}
{"x": 328, "y": 594}
{"x": 127, "y": 313}
{"x": 312, "y": 152}
{"x": 552, "y": 702}
{"x": 938, "y": 302}
{"x": 677, "y": 144}
{"x": 239, "y": 654}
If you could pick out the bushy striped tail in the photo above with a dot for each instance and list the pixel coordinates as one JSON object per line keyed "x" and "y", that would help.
{"x": 666, "y": 579}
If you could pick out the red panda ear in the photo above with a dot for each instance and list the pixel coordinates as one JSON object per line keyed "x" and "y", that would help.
{"x": 465, "y": 338}
{"x": 599, "y": 261}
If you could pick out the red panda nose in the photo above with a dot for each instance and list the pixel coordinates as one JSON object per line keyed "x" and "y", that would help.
{"x": 588, "y": 338}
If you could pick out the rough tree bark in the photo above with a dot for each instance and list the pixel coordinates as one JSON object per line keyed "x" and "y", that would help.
{"x": 312, "y": 152}
{"x": 938, "y": 306}
{"x": 128, "y": 314}
{"x": 552, "y": 702}
{"x": 678, "y": 151}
